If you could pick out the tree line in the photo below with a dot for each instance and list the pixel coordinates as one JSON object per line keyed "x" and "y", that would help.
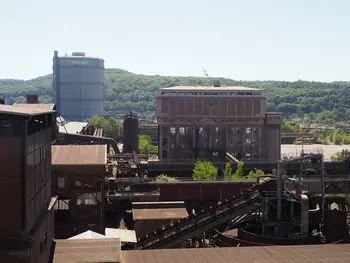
{"x": 305, "y": 101}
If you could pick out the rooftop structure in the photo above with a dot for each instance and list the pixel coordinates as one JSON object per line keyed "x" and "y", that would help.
{"x": 206, "y": 122}
{"x": 209, "y": 88}
{"x": 25, "y": 110}
{"x": 79, "y": 155}
{"x": 76, "y": 173}
{"x": 149, "y": 216}
{"x": 33, "y": 106}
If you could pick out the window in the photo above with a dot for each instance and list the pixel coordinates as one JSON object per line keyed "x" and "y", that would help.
{"x": 182, "y": 131}
{"x": 248, "y": 142}
{"x": 172, "y": 130}
{"x": 215, "y": 154}
{"x": 88, "y": 199}
{"x": 62, "y": 205}
{"x": 248, "y": 130}
{"x": 61, "y": 182}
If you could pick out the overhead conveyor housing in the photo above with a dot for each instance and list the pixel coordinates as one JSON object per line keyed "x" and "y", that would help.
{"x": 192, "y": 226}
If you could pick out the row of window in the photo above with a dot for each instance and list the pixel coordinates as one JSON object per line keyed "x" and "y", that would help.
{"x": 218, "y": 130}
{"x": 211, "y": 94}
{"x": 248, "y": 156}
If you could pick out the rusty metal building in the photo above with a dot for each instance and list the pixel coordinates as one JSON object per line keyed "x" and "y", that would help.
{"x": 206, "y": 122}
{"x": 27, "y": 226}
{"x": 151, "y": 216}
{"x": 77, "y": 173}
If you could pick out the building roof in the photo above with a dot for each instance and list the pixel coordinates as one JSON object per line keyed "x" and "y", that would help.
{"x": 87, "y": 235}
{"x": 209, "y": 88}
{"x": 87, "y": 251}
{"x": 79, "y": 154}
{"x": 339, "y": 253}
{"x": 72, "y": 127}
{"x": 23, "y": 111}
{"x": 48, "y": 107}
{"x": 125, "y": 235}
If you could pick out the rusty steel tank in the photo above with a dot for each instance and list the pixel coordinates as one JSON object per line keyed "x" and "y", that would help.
{"x": 131, "y": 133}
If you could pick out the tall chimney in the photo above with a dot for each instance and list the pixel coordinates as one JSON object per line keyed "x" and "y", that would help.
{"x": 32, "y": 99}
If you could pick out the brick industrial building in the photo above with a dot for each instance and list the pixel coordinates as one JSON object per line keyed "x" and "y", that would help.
{"x": 26, "y": 225}
{"x": 206, "y": 122}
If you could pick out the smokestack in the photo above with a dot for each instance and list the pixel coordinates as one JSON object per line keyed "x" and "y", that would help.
{"x": 2, "y": 99}
{"x": 32, "y": 99}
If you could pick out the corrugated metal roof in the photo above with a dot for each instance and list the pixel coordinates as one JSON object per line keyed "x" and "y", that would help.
{"x": 79, "y": 154}
{"x": 48, "y": 107}
{"x": 270, "y": 254}
{"x": 72, "y": 127}
{"x": 87, "y": 251}
{"x": 210, "y": 88}
{"x": 159, "y": 213}
{"x": 22, "y": 111}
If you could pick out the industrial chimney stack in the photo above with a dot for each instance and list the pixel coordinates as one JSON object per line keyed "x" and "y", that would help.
{"x": 32, "y": 99}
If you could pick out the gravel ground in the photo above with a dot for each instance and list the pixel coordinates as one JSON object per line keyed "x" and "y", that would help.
{"x": 327, "y": 150}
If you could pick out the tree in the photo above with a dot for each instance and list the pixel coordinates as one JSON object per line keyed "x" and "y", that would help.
{"x": 166, "y": 178}
{"x": 289, "y": 127}
{"x": 228, "y": 171}
{"x": 239, "y": 172}
{"x": 336, "y": 137}
{"x": 343, "y": 156}
{"x": 204, "y": 171}
{"x": 145, "y": 145}
{"x": 255, "y": 174}
{"x": 111, "y": 127}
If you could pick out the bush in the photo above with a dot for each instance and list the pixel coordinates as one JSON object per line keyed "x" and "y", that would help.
{"x": 166, "y": 178}
{"x": 204, "y": 171}
{"x": 255, "y": 174}
{"x": 145, "y": 145}
{"x": 239, "y": 172}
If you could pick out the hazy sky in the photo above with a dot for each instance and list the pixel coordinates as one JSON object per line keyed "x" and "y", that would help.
{"x": 240, "y": 39}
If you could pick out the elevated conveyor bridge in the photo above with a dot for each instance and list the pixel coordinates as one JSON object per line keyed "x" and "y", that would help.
{"x": 233, "y": 210}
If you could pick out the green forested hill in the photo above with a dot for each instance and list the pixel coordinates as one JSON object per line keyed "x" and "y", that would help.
{"x": 315, "y": 101}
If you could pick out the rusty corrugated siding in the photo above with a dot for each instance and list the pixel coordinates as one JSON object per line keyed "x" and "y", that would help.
{"x": 271, "y": 254}
{"x": 25, "y": 111}
{"x": 87, "y": 251}
{"x": 79, "y": 154}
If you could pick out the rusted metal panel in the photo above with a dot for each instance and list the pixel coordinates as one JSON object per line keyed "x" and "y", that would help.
{"x": 79, "y": 155}
{"x": 11, "y": 203}
{"x": 84, "y": 178}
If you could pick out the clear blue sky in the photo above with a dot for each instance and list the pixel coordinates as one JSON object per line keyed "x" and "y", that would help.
{"x": 240, "y": 39}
